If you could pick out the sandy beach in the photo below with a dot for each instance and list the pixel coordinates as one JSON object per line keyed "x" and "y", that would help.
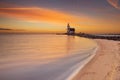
{"x": 105, "y": 65}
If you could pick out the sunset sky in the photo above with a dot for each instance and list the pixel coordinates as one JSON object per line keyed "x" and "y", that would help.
{"x": 52, "y": 16}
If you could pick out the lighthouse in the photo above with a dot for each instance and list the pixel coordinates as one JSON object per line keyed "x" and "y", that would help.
{"x": 70, "y": 31}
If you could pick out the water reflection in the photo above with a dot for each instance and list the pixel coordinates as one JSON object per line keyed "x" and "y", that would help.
{"x": 17, "y": 50}
{"x": 69, "y": 43}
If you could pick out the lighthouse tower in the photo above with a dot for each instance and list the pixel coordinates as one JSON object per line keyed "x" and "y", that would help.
{"x": 68, "y": 28}
{"x": 70, "y": 31}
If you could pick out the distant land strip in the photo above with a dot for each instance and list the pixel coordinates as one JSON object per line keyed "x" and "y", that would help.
{"x": 5, "y": 29}
{"x": 108, "y": 37}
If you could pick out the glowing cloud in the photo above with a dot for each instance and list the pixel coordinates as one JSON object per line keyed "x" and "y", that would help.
{"x": 37, "y": 14}
{"x": 114, "y": 3}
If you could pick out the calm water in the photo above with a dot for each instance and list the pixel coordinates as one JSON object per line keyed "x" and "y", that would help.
{"x": 42, "y": 57}
{"x": 19, "y": 49}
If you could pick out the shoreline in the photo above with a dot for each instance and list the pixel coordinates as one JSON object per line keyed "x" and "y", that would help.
{"x": 105, "y": 65}
{"x": 83, "y": 65}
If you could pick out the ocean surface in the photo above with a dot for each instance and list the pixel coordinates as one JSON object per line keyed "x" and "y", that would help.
{"x": 27, "y": 50}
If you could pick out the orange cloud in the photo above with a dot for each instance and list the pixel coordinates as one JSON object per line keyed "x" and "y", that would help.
{"x": 37, "y": 14}
{"x": 43, "y": 14}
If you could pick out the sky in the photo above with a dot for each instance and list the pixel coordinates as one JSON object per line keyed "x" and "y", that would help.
{"x": 52, "y": 16}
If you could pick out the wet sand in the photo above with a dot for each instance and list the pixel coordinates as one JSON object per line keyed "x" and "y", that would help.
{"x": 105, "y": 65}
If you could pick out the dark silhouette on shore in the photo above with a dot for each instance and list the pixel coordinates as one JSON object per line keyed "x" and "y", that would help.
{"x": 71, "y": 31}
{"x": 92, "y": 36}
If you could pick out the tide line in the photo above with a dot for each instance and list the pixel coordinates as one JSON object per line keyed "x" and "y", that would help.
{"x": 76, "y": 71}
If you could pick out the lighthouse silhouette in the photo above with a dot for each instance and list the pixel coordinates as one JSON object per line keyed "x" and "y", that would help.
{"x": 70, "y": 31}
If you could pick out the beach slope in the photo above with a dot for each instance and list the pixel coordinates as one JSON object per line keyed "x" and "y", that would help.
{"x": 105, "y": 65}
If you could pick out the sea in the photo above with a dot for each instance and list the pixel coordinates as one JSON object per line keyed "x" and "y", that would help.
{"x": 27, "y": 50}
